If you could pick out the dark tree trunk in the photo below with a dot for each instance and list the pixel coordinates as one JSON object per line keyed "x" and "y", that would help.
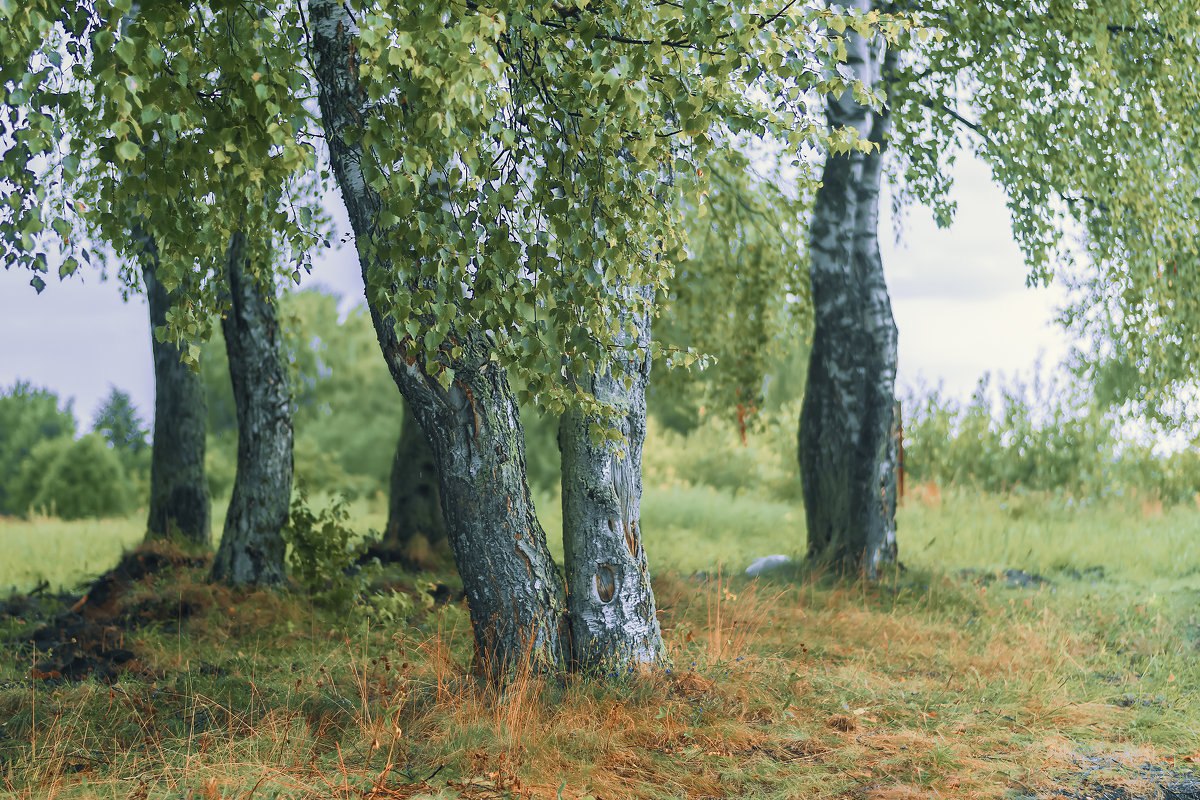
{"x": 513, "y": 588}
{"x": 180, "y": 507}
{"x": 846, "y": 418}
{"x": 252, "y": 547}
{"x": 415, "y": 528}
{"x": 609, "y": 598}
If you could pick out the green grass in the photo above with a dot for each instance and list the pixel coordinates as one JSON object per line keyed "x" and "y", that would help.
{"x": 1131, "y": 540}
{"x": 928, "y": 684}
{"x": 63, "y": 553}
{"x": 69, "y": 554}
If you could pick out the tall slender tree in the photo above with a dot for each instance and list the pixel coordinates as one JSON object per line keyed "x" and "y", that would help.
{"x": 252, "y": 547}
{"x": 472, "y": 421}
{"x": 1085, "y": 113}
{"x": 845, "y": 422}
{"x": 179, "y": 503}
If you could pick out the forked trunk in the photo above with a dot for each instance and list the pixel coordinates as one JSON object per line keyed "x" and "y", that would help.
{"x": 610, "y": 602}
{"x": 252, "y": 547}
{"x": 180, "y": 507}
{"x": 846, "y": 417}
{"x": 513, "y": 588}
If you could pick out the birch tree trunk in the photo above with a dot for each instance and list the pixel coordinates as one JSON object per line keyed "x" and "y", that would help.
{"x": 513, "y": 587}
{"x": 252, "y": 547}
{"x": 610, "y": 602}
{"x": 415, "y": 525}
{"x": 180, "y": 507}
{"x": 846, "y": 417}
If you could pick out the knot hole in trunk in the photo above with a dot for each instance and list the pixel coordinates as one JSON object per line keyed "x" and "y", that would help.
{"x": 606, "y": 582}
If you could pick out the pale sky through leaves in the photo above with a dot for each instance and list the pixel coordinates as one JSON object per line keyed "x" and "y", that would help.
{"x": 960, "y": 300}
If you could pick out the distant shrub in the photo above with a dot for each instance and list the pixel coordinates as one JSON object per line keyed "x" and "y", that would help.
{"x": 75, "y": 479}
{"x": 220, "y": 464}
{"x": 1047, "y": 435}
{"x": 27, "y": 484}
{"x": 716, "y": 455}
{"x": 28, "y": 417}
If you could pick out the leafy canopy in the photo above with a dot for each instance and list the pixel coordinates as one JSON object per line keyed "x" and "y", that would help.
{"x": 529, "y": 157}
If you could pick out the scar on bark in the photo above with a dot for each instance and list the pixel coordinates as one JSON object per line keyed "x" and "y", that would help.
{"x": 631, "y": 538}
{"x": 606, "y": 582}
{"x": 525, "y": 557}
{"x": 474, "y": 409}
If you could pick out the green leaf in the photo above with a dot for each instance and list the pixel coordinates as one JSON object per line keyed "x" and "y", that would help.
{"x": 128, "y": 151}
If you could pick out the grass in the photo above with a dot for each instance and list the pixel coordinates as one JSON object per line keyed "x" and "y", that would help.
{"x": 928, "y": 684}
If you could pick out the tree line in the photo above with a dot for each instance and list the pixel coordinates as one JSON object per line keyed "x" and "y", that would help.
{"x": 526, "y": 186}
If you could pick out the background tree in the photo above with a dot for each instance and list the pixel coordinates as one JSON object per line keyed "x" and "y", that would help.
{"x": 343, "y": 396}
{"x": 741, "y": 294}
{"x": 415, "y": 528}
{"x": 119, "y": 423}
{"x": 28, "y": 416}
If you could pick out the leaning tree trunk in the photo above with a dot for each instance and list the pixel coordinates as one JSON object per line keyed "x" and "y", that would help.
{"x": 513, "y": 588}
{"x": 846, "y": 417}
{"x": 609, "y": 599}
{"x": 180, "y": 507}
{"x": 252, "y": 547}
{"x": 415, "y": 527}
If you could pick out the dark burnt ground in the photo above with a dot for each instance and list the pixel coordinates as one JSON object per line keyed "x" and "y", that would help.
{"x": 71, "y": 637}
{"x": 1119, "y": 778}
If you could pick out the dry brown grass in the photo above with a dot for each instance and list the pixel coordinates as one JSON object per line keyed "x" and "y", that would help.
{"x": 809, "y": 689}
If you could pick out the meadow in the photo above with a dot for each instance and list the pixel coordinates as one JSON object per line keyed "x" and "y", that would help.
{"x": 945, "y": 679}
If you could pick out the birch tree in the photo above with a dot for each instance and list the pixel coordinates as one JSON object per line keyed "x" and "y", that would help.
{"x": 1085, "y": 112}
{"x": 513, "y": 175}
{"x": 105, "y": 122}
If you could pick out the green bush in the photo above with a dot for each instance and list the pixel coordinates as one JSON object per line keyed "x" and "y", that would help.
{"x": 28, "y": 416}
{"x": 75, "y": 479}
{"x": 716, "y": 455}
{"x": 324, "y": 553}
{"x": 27, "y": 484}
{"x": 220, "y": 464}
{"x": 1047, "y": 436}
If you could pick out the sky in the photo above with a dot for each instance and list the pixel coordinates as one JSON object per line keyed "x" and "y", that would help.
{"x": 959, "y": 297}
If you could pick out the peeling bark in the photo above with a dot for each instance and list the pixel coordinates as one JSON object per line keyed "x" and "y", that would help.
{"x": 513, "y": 588}
{"x": 252, "y": 547}
{"x": 415, "y": 528}
{"x": 846, "y": 417}
{"x": 180, "y": 507}
{"x": 609, "y": 598}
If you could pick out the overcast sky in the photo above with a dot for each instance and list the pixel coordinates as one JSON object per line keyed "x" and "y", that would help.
{"x": 959, "y": 295}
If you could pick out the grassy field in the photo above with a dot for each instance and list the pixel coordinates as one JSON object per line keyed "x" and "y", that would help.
{"x": 940, "y": 681}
